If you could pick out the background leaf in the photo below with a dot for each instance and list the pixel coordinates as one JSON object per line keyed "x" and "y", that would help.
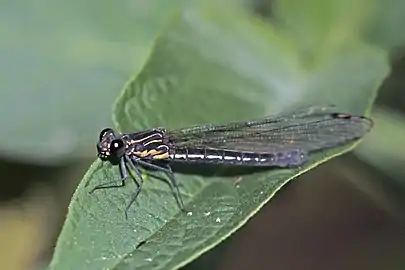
{"x": 385, "y": 29}
{"x": 208, "y": 67}
{"x": 388, "y": 152}
{"x": 58, "y": 55}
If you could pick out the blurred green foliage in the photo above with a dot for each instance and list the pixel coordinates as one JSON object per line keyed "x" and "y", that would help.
{"x": 63, "y": 65}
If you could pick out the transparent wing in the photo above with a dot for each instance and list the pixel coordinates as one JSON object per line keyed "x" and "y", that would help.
{"x": 310, "y": 129}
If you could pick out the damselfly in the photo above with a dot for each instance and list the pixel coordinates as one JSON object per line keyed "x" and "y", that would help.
{"x": 284, "y": 140}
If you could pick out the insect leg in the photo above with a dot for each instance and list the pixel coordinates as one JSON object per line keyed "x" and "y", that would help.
{"x": 168, "y": 170}
{"x": 132, "y": 165}
{"x": 175, "y": 183}
{"x": 115, "y": 183}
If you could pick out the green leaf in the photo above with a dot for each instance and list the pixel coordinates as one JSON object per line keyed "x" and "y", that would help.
{"x": 386, "y": 30}
{"x": 320, "y": 26}
{"x": 65, "y": 55}
{"x": 384, "y": 149}
{"x": 208, "y": 67}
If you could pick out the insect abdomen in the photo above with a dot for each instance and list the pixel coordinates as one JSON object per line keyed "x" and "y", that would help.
{"x": 283, "y": 158}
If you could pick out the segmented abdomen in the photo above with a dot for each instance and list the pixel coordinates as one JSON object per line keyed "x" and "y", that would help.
{"x": 284, "y": 158}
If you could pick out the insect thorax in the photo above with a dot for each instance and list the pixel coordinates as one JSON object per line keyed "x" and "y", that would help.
{"x": 147, "y": 145}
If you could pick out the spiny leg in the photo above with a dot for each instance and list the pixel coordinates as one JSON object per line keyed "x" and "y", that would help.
{"x": 169, "y": 172}
{"x": 139, "y": 184}
{"x": 115, "y": 183}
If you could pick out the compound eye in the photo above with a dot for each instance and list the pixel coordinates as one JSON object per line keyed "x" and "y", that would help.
{"x": 117, "y": 148}
{"x": 104, "y": 132}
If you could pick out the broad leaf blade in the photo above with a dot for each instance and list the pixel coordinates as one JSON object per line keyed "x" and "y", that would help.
{"x": 64, "y": 55}
{"x": 209, "y": 67}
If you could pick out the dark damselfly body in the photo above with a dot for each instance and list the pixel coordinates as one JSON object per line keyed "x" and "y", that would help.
{"x": 283, "y": 140}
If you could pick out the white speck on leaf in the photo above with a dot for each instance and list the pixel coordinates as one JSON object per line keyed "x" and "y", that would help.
{"x": 148, "y": 259}
{"x": 189, "y": 213}
{"x": 207, "y": 214}
{"x": 218, "y": 220}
